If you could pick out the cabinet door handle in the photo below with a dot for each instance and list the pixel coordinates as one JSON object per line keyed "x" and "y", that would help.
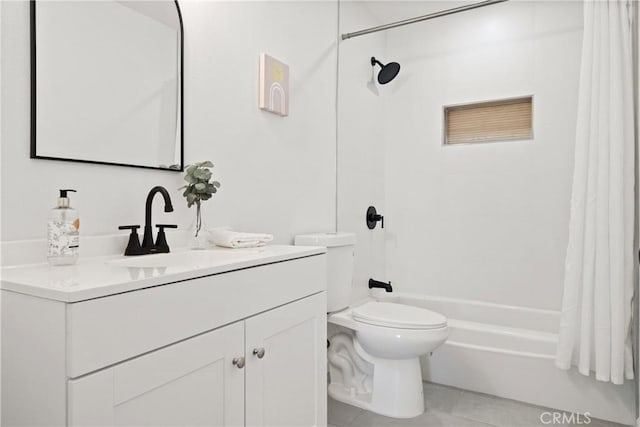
{"x": 258, "y": 352}
{"x": 238, "y": 362}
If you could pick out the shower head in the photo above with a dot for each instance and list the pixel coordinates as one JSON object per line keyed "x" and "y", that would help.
{"x": 387, "y": 72}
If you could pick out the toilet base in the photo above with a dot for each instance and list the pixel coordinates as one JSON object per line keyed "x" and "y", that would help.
{"x": 377, "y": 368}
{"x": 397, "y": 389}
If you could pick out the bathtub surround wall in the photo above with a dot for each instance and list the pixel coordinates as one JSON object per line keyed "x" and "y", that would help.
{"x": 484, "y": 221}
{"x": 360, "y": 155}
{"x": 277, "y": 174}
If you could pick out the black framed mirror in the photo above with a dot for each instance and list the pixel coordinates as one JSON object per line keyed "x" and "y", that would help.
{"x": 106, "y": 82}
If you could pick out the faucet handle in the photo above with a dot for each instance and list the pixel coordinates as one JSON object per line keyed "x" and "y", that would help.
{"x": 373, "y": 217}
{"x": 128, "y": 227}
{"x": 161, "y": 245}
{"x": 133, "y": 247}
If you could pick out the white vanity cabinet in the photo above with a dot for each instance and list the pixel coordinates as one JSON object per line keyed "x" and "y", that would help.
{"x": 189, "y": 383}
{"x": 245, "y": 347}
{"x": 201, "y": 381}
{"x": 287, "y": 385}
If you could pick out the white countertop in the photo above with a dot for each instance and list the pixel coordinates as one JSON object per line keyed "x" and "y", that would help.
{"x": 102, "y": 276}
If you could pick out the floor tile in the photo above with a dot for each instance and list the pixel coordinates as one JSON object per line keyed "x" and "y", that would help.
{"x": 452, "y": 407}
{"x": 602, "y": 423}
{"x": 509, "y": 413}
{"x": 429, "y": 418}
{"x": 341, "y": 414}
{"x": 572, "y": 422}
{"x": 496, "y": 411}
{"x": 440, "y": 398}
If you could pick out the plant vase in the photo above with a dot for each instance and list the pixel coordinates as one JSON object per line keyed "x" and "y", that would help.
{"x": 199, "y": 233}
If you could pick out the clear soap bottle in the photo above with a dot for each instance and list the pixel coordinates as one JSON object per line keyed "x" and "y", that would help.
{"x": 63, "y": 232}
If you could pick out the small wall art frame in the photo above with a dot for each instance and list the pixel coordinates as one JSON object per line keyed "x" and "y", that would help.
{"x": 274, "y": 85}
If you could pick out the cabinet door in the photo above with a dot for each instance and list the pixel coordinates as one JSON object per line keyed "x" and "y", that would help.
{"x": 193, "y": 382}
{"x": 287, "y": 386}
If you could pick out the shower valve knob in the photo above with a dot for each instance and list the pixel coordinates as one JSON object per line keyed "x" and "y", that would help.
{"x": 373, "y": 217}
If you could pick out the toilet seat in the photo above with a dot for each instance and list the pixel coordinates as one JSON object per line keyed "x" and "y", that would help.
{"x": 402, "y": 316}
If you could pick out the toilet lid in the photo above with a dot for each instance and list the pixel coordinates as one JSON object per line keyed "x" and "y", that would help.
{"x": 394, "y": 315}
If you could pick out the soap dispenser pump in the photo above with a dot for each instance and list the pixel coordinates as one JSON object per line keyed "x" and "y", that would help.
{"x": 63, "y": 232}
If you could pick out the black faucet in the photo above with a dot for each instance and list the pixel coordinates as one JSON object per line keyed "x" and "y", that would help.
{"x": 376, "y": 284}
{"x": 148, "y": 247}
{"x": 147, "y": 242}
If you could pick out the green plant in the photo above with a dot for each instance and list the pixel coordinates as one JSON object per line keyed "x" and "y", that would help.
{"x": 200, "y": 186}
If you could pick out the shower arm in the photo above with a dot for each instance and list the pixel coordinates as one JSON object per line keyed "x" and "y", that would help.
{"x": 374, "y": 61}
{"x": 420, "y": 18}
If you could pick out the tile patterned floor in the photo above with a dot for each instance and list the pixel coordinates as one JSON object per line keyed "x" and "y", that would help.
{"x": 451, "y": 407}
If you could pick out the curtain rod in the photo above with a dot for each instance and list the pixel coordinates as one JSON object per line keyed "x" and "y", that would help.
{"x": 420, "y": 18}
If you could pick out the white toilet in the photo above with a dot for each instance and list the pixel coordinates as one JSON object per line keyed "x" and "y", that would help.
{"x": 374, "y": 347}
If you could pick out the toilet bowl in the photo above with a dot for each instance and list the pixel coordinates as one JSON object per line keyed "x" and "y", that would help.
{"x": 374, "y": 347}
{"x": 376, "y": 365}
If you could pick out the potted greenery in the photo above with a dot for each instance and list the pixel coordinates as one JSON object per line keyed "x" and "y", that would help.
{"x": 200, "y": 187}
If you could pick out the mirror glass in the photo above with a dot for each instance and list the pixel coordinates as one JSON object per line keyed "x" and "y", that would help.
{"x": 107, "y": 82}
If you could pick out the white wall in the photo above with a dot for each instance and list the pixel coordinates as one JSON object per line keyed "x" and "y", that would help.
{"x": 484, "y": 222}
{"x": 277, "y": 173}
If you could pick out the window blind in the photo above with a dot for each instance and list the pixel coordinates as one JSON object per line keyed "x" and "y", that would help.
{"x": 489, "y": 121}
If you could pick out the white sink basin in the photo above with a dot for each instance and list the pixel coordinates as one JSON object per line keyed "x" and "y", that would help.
{"x": 196, "y": 258}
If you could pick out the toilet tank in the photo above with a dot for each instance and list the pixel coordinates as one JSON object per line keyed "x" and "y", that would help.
{"x": 340, "y": 252}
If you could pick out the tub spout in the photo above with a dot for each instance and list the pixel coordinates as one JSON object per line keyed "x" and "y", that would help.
{"x": 376, "y": 284}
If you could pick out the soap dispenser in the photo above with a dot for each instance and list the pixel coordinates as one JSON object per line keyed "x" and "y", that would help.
{"x": 62, "y": 232}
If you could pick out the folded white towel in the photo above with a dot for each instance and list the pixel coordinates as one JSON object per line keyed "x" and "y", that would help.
{"x": 234, "y": 239}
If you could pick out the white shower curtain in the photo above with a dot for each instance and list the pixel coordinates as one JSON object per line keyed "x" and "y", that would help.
{"x": 595, "y": 328}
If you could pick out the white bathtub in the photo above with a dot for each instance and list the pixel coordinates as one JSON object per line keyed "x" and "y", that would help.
{"x": 509, "y": 351}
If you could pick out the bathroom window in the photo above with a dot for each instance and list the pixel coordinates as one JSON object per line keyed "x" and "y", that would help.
{"x": 502, "y": 120}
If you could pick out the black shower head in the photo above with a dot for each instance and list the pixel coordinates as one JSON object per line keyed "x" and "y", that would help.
{"x": 387, "y": 72}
